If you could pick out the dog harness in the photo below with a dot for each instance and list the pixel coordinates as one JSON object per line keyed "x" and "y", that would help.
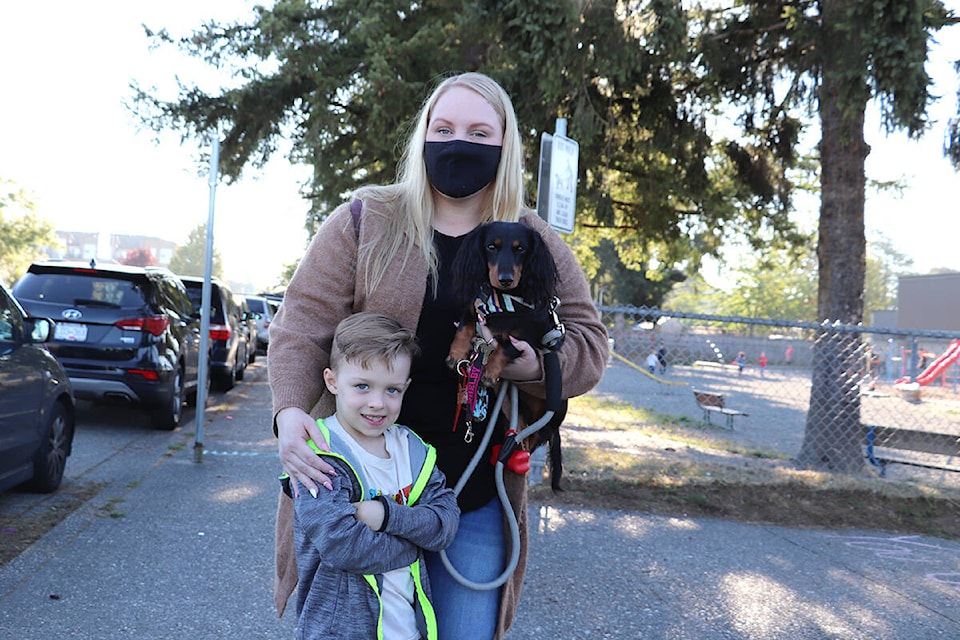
{"x": 472, "y": 396}
{"x": 500, "y": 302}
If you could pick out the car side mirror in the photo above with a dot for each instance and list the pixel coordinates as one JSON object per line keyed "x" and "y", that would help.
{"x": 38, "y": 329}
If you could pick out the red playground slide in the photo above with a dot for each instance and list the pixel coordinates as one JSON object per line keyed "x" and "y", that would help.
{"x": 938, "y": 366}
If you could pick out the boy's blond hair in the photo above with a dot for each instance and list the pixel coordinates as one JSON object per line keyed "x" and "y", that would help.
{"x": 367, "y": 338}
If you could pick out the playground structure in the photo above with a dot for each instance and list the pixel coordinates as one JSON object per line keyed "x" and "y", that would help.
{"x": 937, "y": 369}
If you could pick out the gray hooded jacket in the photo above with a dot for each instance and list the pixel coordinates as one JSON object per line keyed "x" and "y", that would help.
{"x": 341, "y": 560}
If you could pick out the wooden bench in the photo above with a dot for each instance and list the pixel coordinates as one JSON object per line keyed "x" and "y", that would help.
{"x": 711, "y": 403}
{"x": 926, "y": 449}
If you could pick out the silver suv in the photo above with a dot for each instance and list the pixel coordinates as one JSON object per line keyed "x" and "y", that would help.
{"x": 263, "y": 309}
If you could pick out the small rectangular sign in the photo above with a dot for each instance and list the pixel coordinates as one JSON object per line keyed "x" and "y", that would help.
{"x": 557, "y": 188}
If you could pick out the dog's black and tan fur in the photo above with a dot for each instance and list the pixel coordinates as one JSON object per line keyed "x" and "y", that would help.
{"x": 511, "y": 258}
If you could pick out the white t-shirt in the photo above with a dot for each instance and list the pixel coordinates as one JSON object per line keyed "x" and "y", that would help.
{"x": 390, "y": 477}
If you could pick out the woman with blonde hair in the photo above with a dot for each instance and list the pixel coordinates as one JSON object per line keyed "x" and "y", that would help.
{"x": 390, "y": 249}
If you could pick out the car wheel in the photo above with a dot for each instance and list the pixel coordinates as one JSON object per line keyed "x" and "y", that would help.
{"x": 192, "y": 395}
{"x": 241, "y": 367}
{"x": 225, "y": 382}
{"x": 51, "y": 458}
{"x": 167, "y": 416}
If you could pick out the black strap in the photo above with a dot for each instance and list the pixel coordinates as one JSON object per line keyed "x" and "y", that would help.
{"x": 551, "y": 371}
{"x": 355, "y": 208}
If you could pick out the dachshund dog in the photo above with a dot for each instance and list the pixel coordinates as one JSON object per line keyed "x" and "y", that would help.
{"x": 507, "y": 280}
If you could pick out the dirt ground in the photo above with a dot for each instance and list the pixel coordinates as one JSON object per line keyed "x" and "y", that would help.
{"x": 20, "y": 529}
{"x": 619, "y": 453}
{"x": 793, "y": 504}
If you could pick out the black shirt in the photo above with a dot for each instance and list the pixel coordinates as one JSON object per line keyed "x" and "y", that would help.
{"x": 430, "y": 403}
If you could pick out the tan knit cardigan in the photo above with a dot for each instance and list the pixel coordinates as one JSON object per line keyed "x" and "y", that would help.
{"x": 326, "y": 289}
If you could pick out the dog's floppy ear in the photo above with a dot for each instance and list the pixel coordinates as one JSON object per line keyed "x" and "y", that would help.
{"x": 470, "y": 267}
{"x": 540, "y": 272}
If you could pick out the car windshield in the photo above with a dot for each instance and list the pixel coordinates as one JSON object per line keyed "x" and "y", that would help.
{"x": 195, "y": 292}
{"x": 74, "y": 289}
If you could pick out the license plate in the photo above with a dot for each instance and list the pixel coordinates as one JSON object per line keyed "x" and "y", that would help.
{"x": 70, "y": 332}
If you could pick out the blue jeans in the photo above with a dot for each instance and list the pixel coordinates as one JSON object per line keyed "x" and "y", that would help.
{"x": 479, "y": 554}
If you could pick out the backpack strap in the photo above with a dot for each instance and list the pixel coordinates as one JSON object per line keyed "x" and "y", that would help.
{"x": 355, "y": 208}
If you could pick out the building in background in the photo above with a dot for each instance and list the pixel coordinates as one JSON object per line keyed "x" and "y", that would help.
{"x": 929, "y": 302}
{"x": 113, "y": 247}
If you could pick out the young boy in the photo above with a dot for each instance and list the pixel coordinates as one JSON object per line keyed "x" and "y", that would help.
{"x": 359, "y": 546}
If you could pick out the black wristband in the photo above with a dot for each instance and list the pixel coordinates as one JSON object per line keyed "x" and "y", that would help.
{"x": 382, "y": 499}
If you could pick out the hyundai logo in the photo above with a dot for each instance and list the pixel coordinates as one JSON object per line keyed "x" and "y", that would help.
{"x": 71, "y": 314}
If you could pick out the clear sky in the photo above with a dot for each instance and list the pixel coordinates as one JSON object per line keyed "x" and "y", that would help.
{"x": 66, "y": 137}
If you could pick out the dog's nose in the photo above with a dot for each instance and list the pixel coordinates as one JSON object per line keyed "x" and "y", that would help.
{"x": 506, "y": 282}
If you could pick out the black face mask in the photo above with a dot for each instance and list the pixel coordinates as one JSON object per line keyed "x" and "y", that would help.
{"x": 459, "y": 168}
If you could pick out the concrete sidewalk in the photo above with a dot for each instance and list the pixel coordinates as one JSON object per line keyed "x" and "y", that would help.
{"x": 189, "y": 555}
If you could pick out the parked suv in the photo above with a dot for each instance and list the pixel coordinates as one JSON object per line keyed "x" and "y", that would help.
{"x": 228, "y": 358}
{"x": 264, "y": 309}
{"x": 36, "y": 403}
{"x": 123, "y": 334}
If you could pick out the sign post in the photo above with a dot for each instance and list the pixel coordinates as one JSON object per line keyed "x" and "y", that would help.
{"x": 557, "y": 179}
{"x": 206, "y": 294}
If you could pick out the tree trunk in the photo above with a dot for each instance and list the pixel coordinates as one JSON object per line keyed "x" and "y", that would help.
{"x": 834, "y": 436}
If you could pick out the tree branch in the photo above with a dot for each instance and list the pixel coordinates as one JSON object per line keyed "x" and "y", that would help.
{"x": 777, "y": 26}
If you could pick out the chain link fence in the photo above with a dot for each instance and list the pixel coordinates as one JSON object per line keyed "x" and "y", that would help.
{"x": 830, "y": 397}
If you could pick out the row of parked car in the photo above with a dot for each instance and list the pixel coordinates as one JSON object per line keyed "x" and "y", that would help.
{"x": 110, "y": 333}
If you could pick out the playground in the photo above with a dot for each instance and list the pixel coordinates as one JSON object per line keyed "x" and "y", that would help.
{"x": 943, "y": 371}
{"x": 776, "y": 406}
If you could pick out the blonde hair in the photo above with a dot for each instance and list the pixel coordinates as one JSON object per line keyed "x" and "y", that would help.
{"x": 412, "y": 230}
{"x": 367, "y": 338}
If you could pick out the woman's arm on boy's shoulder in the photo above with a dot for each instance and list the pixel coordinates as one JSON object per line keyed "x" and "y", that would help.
{"x": 319, "y": 295}
{"x": 432, "y": 521}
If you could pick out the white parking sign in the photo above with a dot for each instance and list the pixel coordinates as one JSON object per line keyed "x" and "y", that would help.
{"x": 557, "y": 189}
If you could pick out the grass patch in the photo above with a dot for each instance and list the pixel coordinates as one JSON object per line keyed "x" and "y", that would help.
{"x": 111, "y": 508}
{"x": 20, "y": 530}
{"x": 693, "y": 471}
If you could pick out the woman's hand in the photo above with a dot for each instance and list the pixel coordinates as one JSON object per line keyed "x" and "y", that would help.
{"x": 524, "y": 367}
{"x": 299, "y": 461}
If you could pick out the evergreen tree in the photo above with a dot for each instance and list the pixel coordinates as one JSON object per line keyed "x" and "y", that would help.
{"x": 776, "y": 61}
{"x": 640, "y": 83}
{"x": 342, "y": 79}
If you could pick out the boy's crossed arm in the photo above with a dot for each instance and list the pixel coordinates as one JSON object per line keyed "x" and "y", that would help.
{"x": 430, "y": 523}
